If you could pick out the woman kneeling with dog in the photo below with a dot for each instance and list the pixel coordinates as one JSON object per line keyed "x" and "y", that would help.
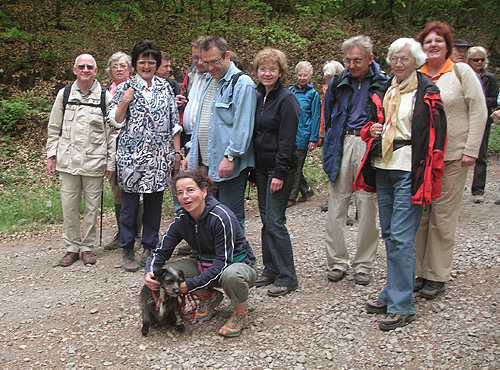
{"x": 222, "y": 256}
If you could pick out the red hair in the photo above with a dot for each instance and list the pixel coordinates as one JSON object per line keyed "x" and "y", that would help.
{"x": 442, "y": 29}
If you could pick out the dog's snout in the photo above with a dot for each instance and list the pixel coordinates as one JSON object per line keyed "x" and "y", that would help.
{"x": 177, "y": 291}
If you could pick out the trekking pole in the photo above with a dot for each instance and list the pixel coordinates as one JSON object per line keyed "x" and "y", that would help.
{"x": 102, "y": 205}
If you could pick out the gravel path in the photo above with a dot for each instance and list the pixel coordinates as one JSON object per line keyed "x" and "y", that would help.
{"x": 88, "y": 317}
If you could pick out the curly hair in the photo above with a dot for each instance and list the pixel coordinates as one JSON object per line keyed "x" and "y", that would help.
{"x": 199, "y": 176}
{"x": 442, "y": 29}
{"x": 271, "y": 55}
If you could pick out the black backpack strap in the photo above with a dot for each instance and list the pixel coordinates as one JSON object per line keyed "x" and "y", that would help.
{"x": 67, "y": 91}
{"x": 234, "y": 79}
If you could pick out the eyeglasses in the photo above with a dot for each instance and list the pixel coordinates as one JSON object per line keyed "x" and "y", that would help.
{"x": 150, "y": 63}
{"x": 270, "y": 70}
{"x": 81, "y": 67}
{"x": 357, "y": 61}
{"x": 212, "y": 62}
{"x": 195, "y": 58}
{"x": 478, "y": 60}
{"x": 188, "y": 191}
{"x": 402, "y": 60}
{"x": 121, "y": 65}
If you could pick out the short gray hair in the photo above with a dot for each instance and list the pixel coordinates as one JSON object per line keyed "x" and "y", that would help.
{"x": 478, "y": 49}
{"x": 304, "y": 64}
{"x": 332, "y": 68}
{"x": 116, "y": 56}
{"x": 415, "y": 49}
{"x": 363, "y": 42}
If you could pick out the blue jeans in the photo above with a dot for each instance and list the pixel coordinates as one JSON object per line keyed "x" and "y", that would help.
{"x": 277, "y": 252}
{"x": 399, "y": 220}
{"x": 231, "y": 193}
{"x": 151, "y": 219}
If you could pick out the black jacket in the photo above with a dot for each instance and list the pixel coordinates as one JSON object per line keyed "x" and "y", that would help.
{"x": 276, "y": 121}
{"x": 217, "y": 238}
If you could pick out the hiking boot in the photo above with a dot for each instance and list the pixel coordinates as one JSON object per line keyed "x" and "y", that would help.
{"x": 419, "y": 284}
{"x": 207, "y": 304}
{"x": 290, "y": 203}
{"x": 497, "y": 202}
{"x": 308, "y": 194}
{"x": 335, "y": 275}
{"x": 478, "y": 199}
{"x": 129, "y": 263}
{"x": 113, "y": 244}
{"x": 433, "y": 289}
{"x": 68, "y": 259}
{"x": 349, "y": 221}
{"x": 392, "y": 321}
{"x": 263, "y": 281}
{"x": 279, "y": 291}
{"x": 184, "y": 250}
{"x": 376, "y": 307}
{"x": 362, "y": 278}
{"x": 88, "y": 258}
{"x": 233, "y": 327}
{"x": 144, "y": 257}
{"x": 324, "y": 207}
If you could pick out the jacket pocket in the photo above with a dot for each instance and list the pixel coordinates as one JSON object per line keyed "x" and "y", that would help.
{"x": 224, "y": 112}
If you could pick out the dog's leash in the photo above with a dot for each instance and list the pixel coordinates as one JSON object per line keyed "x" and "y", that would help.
{"x": 179, "y": 305}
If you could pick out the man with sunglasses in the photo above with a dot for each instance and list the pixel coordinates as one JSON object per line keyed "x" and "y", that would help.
{"x": 222, "y": 135}
{"x": 346, "y": 111}
{"x": 81, "y": 148}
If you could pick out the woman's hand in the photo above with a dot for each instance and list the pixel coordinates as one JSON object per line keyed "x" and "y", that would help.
{"x": 376, "y": 130}
{"x": 468, "y": 161}
{"x": 183, "y": 287}
{"x": 252, "y": 184}
{"x": 121, "y": 111}
{"x": 185, "y": 163}
{"x": 496, "y": 114}
{"x": 150, "y": 282}
{"x": 311, "y": 146}
{"x": 276, "y": 185}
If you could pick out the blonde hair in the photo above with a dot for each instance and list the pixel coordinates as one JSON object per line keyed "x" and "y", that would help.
{"x": 271, "y": 55}
{"x": 475, "y": 50}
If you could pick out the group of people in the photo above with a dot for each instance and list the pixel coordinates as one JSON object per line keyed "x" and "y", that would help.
{"x": 403, "y": 144}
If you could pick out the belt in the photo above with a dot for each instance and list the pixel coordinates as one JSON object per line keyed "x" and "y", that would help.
{"x": 353, "y": 132}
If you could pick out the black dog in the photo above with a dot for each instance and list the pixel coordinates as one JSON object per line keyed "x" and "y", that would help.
{"x": 158, "y": 307}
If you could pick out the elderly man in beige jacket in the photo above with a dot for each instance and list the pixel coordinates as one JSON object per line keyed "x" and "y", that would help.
{"x": 81, "y": 147}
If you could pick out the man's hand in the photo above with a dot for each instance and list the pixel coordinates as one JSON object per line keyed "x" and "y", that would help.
{"x": 51, "y": 166}
{"x": 109, "y": 175}
{"x": 311, "y": 146}
{"x": 177, "y": 164}
{"x": 468, "y": 161}
{"x": 226, "y": 168}
{"x": 376, "y": 129}
{"x": 150, "y": 282}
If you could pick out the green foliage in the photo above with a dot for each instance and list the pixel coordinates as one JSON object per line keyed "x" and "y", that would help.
{"x": 116, "y": 12}
{"x": 16, "y": 110}
{"x": 14, "y": 33}
{"x": 494, "y": 140}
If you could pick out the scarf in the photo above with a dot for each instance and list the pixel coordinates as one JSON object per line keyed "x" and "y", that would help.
{"x": 392, "y": 100}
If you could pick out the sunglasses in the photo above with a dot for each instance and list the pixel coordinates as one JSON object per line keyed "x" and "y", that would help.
{"x": 478, "y": 59}
{"x": 81, "y": 67}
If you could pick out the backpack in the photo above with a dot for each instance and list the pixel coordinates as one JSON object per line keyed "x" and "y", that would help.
{"x": 67, "y": 91}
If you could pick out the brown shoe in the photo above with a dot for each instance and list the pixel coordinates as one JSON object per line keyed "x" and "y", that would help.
{"x": 68, "y": 259}
{"x": 88, "y": 258}
{"x": 129, "y": 263}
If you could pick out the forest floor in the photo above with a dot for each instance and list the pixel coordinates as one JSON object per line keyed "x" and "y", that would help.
{"x": 83, "y": 317}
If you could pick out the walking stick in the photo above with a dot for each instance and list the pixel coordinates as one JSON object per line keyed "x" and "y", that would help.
{"x": 102, "y": 205}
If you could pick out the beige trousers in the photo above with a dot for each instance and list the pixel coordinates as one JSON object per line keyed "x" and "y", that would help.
{"x": 339, "y": 195}
{"x": 435, "y": 237}
{"x": 72, "y": 187}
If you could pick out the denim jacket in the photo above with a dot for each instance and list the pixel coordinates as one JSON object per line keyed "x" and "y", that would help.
{"x": 231, "y": 125}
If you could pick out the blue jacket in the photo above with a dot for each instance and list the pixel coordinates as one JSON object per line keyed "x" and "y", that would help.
{"x": 217, "y": 238}
{"x": 231, "y": 125}
{"x": 310, "y": 115}
{"x": 336, "y": 112}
